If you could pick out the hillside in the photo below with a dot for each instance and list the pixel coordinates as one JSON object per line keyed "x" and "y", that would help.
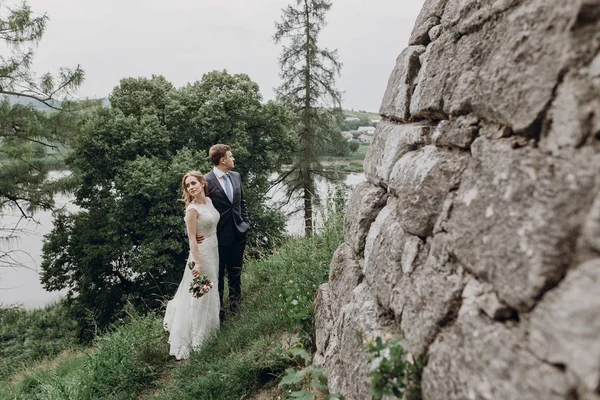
{"x": 250, "y": 354}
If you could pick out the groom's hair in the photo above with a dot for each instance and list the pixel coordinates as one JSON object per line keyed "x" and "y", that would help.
{"x": 217, "y": 152}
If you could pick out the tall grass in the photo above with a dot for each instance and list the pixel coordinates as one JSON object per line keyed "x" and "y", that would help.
{"x": 247, "y": 354}
{"x": 121, "y": 363}
{"x": 30, "y": 336}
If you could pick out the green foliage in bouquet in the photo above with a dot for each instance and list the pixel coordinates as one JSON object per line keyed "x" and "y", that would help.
{"x": 200, "y": 285}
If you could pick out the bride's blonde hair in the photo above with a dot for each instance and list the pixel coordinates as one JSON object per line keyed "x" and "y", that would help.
{"x": 187, "y": 198}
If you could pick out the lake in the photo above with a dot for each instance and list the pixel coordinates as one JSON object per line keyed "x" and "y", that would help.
{"x": 21, "y": 285}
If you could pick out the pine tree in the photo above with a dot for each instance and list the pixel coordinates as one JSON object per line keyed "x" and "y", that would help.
{"x": 308, "y": 73}
{"x": 27, "y": 133}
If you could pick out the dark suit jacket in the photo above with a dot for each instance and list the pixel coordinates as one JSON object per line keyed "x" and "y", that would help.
{"x": 234, "y": 215}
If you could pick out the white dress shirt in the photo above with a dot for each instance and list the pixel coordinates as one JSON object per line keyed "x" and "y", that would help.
{"x": 221, "y": 177}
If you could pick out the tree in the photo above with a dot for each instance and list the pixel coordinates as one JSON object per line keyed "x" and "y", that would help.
{"x": 19, "y": 29}
{"x": 127, "y": 244}
{"x": 25, "y": 132}
{"x": 354, "y": 145}
{"x": 308, "y": 73}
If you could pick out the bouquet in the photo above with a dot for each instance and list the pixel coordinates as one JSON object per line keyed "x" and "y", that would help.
{"x": 200, "y": 285}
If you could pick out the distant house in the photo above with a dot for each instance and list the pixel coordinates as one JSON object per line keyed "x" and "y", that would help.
{"x": 347, "y": 134}
{"x": 350, "y": 119}
{"x": 365, "y": 138}
{"x": 369, "y": 130}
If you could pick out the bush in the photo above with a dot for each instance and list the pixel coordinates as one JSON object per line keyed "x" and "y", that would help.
{"x": 395, "y": 375}
{"x": 29, "y": 336}
{"x": 126, "y": 360}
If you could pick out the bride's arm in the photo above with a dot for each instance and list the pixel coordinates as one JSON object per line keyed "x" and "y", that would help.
{"x": 191, "y": 216}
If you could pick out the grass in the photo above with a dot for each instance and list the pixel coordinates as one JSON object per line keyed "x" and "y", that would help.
{"x": 120, "y": 364}
{"x": 350, "y": 163}
{"x": 250, "y": 352}
{"x": 27, "y": 337}
{"x": 361, "y": 113}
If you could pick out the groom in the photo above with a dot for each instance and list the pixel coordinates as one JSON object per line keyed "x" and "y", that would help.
{"x": 225, "y": 191}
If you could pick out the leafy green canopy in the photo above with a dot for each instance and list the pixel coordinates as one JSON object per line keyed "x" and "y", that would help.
{"x": 128, "y": 241}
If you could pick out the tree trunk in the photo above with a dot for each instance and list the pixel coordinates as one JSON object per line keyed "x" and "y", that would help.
{"x": 308, "y": 211}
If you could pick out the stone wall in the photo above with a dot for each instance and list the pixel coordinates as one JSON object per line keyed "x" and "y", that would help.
{"x": 476, "y": 237}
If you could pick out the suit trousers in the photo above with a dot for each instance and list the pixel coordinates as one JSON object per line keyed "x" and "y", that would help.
{"x": 230, "y": 263}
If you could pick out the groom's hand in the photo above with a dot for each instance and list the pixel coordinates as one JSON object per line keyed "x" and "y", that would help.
{"x": 199, "y": 238}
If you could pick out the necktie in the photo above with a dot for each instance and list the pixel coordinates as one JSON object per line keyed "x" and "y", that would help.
{"x": 228, "y": 190}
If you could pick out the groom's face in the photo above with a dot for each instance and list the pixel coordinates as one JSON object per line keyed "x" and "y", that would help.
{"x": 228, "y": 161}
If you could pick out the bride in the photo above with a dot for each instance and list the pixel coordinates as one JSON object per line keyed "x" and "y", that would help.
{"x": 191, "y": 320}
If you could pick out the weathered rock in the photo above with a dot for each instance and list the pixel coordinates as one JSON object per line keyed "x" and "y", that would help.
{"x": 458, "y": 133}
{"x": 428, "y": 17}
{"x": 486, "y": 258}
{"x": 345, "y": 359}
{"x": 345, "y": 273}
{"x": 477, "y": 358}
{"x": 430, "y": 297}
{"x": 594, "y": 72}
{"x": 396, "y": 100}
{"x": 589, "y": 12}
{"x": 411, "y": 254}
{"x": 324, "y": 320}
{"x": 435, "y": 32}
{"x": 391, "y": 142}
{"x": 495, "y": 131}
{"x": 565, "y": 325}
{"x": 479, "y": 296}
{"x": 363, "y": 206}
{"x": 468, "y": 16}
{"x": 491, "y": 66}
{"x": 583, "y": 394}
{"x": 383, "y": 256}
{"x": 570, "y": 115}
{"x": 421, "y": 180}
{"x": 591, "y": 227}
{"x": 517, "y": 216}
{"x": 426, "y": 101}
{"x": 492, "y": 306}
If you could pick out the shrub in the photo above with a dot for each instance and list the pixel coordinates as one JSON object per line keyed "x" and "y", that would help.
{"x": 394, "y": 374}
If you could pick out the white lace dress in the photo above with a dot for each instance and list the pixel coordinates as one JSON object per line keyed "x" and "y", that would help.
{"x": 189, "y": 320}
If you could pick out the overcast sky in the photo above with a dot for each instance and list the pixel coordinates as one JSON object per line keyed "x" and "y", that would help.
{"x": 183, "y": 39}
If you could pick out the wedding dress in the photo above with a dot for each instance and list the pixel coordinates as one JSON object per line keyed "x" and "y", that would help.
{"x": 190, "y": 320}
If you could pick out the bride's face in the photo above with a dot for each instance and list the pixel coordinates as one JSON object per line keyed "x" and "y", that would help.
{"x": 193, "y": 185}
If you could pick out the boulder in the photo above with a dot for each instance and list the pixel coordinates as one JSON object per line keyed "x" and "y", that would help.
{"x": 345, "y": 273}
{"x": 458, "y": 133}
{"x": 498, "y": 59}
{"x": 429, "y": 17}
{"x": 421, "y": 180}
{"x": 345, "y": 358}
{"x": 566, "y": 323}
{"x": 517, "y": 215}
{"x": 396, "y": 100}
{"x": 477, "y": 358}
{"x": 391, "y": 142}
{"x": 363, "y": 206}
{"x": 430, "y": 297}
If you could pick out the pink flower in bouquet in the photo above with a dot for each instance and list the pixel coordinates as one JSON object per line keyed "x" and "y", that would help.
{"x": 200, "y": 285}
